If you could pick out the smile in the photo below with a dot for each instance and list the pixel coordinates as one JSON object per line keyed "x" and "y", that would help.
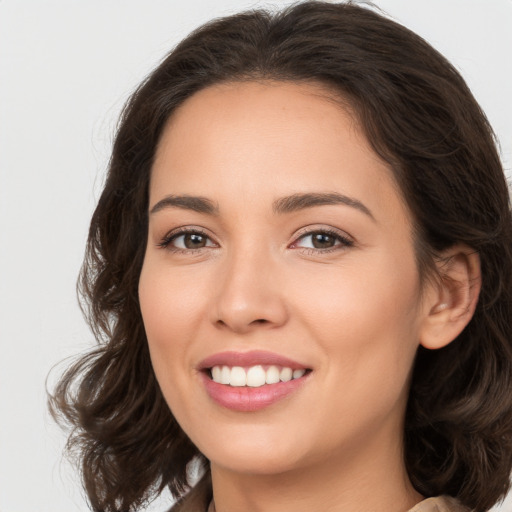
{"x": 251, "y": 381}
{"x": 255, "y": 376}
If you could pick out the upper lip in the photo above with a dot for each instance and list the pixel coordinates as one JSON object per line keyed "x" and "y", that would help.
{"x": 246, "y": 359}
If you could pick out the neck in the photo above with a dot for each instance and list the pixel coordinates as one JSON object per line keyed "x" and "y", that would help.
{"x": 373, "y": 479}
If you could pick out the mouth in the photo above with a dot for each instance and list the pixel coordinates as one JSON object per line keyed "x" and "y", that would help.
{"x": 250, "y": 381}
{"x": 254, "y": 376}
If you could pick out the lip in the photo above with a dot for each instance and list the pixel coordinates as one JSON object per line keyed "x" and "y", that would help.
{"x": 248, "y": 399}
{"x": 246, "y": 359}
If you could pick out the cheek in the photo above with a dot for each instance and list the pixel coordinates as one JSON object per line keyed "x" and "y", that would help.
{"x": 169, "y": 297}
{"x": 366, "y": 318}
{"x": 170, "y": 308}
{"x": 354, "y": 295}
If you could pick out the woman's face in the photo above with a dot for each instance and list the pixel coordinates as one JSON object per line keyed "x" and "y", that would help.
{"x": 279, "y": 248}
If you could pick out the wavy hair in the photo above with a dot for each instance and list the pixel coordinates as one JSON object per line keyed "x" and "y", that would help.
{"x": 420, "y": 117}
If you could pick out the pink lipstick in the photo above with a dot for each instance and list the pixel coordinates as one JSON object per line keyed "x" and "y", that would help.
{"x": 250, "y": 381}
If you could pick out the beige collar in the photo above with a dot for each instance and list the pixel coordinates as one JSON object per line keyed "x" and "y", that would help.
{"x": 440, "y": 504}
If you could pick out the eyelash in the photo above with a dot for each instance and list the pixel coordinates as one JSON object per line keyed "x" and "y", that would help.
{"x": 166, "y": 241}
{"x": 345, "y": 242}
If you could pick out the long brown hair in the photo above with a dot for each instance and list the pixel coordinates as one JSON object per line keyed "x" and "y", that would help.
{"x": 419, "y": 116}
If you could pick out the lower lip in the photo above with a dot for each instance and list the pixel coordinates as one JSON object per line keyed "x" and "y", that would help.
{"x": 247, "y": 399}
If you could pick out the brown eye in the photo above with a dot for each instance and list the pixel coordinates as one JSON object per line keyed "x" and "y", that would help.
{"x": 322, "y": 240}
{"x": 319, "y": 240}
{"x": 187, "y": 240}
{"x": 194, "y": 241}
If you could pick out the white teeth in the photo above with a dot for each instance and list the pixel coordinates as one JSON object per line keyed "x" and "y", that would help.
{"x": 238, "y": 377}
{"x": 255, "y": 376}
{"x": 225, "y": 375}
{"x": 272, "y": 375}
{"x": 217, "y": 374}
{"x": 297, "y": 374}
{"x": 286, "y": 374}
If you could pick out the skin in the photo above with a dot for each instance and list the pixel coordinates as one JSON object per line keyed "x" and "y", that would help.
{"x": 355, "y": 313}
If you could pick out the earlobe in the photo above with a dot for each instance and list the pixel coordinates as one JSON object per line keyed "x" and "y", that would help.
{"x": 453, "y": 297}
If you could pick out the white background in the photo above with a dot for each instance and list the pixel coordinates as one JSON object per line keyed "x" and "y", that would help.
{"x": 66, "y": 67}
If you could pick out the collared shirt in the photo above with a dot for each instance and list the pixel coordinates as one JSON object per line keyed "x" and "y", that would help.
{"x": 199, "y": 499}
{"x": 439, "y": 504}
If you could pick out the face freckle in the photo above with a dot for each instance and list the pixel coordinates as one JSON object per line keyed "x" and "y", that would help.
{"x": 275, "y": 228}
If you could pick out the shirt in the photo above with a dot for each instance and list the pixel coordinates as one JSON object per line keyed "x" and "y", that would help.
{"x": 199, "y": 499}
{"x": 440, "y": 504}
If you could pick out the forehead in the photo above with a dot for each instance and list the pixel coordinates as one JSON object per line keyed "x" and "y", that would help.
{"x": 258, "y": 139}
{"x": 258, "y": 111}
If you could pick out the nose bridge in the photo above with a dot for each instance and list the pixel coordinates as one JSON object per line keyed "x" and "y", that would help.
{"x": 248, "y": 291}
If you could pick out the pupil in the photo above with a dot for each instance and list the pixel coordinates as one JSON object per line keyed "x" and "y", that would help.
{"x": 322, "y": 241}
{"x": 193, "y": 241}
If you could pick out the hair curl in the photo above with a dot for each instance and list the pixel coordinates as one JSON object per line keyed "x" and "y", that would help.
{"x": 419, "y": 116}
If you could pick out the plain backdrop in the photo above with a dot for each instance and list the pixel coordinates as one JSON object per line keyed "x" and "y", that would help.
{"x": 66, "y": 68}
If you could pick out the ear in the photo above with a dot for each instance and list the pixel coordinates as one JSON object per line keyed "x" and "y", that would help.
{"x": 452, "y": 298}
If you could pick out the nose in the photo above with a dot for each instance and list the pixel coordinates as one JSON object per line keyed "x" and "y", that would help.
{"x": 250, "y": 294}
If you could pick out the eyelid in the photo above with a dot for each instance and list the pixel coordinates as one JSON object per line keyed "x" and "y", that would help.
{"x": 345, "y": 239}
{"x": 166, "y": 240}
{"x": 342, "y": 236}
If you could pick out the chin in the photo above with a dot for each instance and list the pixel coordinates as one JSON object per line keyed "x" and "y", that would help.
{"x": 251, "y": 454}
{"x": 254, "y": 463}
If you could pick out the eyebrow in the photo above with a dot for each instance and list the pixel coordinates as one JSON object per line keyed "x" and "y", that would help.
{"x": 297, "y": 202}
{"x": 194, "y": 203}
{"x": 283, "y": 205}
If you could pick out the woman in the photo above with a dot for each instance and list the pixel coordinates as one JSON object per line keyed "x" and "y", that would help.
{"x": 300, "y": 272}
